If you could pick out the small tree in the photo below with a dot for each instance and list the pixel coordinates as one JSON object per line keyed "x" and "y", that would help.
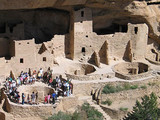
{"x": 146, "y": 110}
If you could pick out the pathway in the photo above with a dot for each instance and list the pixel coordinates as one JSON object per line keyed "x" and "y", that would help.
{"x": 97, "y": 107}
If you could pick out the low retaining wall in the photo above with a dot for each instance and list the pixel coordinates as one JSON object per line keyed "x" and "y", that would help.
{"x": 31, "y": 110}
{"x": 68, "y": 104}
{"x": 132, "y": 71}
{"x": 42, "y": 110}
{"x": 19, "y": 110}
{"x": 85, "y": 88}
{"x": 90, "y": 77}
{"x": 132, "y": 77}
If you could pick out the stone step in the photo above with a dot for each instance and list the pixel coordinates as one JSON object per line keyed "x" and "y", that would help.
{"x": 97, "y": 107}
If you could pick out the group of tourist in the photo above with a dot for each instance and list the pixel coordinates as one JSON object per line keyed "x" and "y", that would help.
{"x": 24, "y": 78}
{"x": 61, "y": 87}
{"x": 50, "y": 98}
{"x": 11, "y": 84}
{"x": 33, "y": 100}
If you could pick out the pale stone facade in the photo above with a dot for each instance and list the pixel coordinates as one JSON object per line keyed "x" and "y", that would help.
{"x": 86, "y": 41}
{"x": 92, "y": 56}
{"x": 83, "y": 43}
{"x": 25, "y": 54}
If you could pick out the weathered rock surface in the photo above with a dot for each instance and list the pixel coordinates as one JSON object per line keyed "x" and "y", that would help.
{"x": 105, "y": 12}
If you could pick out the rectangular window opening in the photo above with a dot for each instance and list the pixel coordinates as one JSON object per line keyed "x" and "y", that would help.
{"x": 82, "y": 13}
{"x": 83, "y": 50}
{"x": 136, "y": 30}
{"x": 44, "y": 59}
{"x": 21, "y": 60}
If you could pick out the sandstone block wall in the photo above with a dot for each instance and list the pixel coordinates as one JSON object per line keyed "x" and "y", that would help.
{"x": 58, "y": 45}
{"x": 27, "y": 111}
{"x": 25, "y": 52}
{"x": 86, "y": 41}
{"x": 139, "y": 38}
{"x": 68, "y": 104}
{"x": 83, "y": 20}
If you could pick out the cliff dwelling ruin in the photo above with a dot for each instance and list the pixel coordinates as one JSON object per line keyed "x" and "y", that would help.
{"x": 86, "y": 43}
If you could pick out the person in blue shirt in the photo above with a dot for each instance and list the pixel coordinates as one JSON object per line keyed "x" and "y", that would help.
{"x": 23, "y": 97}
{"x": 53, "y": 97}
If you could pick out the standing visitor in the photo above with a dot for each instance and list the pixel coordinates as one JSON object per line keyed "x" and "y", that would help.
{"x": 28, "y": 101}
{"x": 67, "y": 90}
{"x": 48, "y": 98}
{"x": 70, "y": 88}
{"x": 50, "y": 82}
{"x": 39, "y": 75}
{"x": 41, "y": 71}
{"x": 54, "y": 83}
{"x": 34, "y": 74}
{"x": 45, "y": 99}
{"x": 18, "y": 96}
{"x": 37, "y": 97}
{"x": 33, "y": 97}
{"x": 23, "y": 97}
{"x": 53, "y": 97}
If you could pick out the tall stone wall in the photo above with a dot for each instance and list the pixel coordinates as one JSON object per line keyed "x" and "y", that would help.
{"x": 139, "y": 38}
{"x": 14, "y": 110}
{"x": 83, "y": 21}
{"x": 58, "y": 45}
{"x": 86, "y": 43}
{"x": 28, "y": 110}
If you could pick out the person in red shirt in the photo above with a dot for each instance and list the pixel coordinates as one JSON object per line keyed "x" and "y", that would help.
{"x": 50, "y": 81}
{"x": 45, "y": 99}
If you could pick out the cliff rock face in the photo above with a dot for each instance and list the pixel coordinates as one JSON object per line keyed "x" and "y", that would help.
{"x": 105, "y": 12}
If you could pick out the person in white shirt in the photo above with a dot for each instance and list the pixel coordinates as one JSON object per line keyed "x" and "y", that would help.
{"x": 41, "y": 71}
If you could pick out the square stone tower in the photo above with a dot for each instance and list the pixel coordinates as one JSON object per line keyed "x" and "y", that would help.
{"x": 83, "y": 21}
{"x": 81, "y": 31}
{"x": 25, "y": 53}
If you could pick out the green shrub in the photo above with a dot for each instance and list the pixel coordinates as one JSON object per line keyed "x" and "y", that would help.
{"x": 92, "y": 114}
{"x": 61, "y": 116}
{"x": 126, "y": 86}
{"x": 109, "y": 89}
{"x": 112, "y": 89}
{"x": 123, "y": 109}
{"x": 77, "y": 116}
{"x": 134, "y": 87}
{"x": 151, "y": 83}
{"x": 144, "y": 87}
{"x": 119, "y": 88}
{"x": 108, "y": 102}
{"x": 86, "y": 112}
